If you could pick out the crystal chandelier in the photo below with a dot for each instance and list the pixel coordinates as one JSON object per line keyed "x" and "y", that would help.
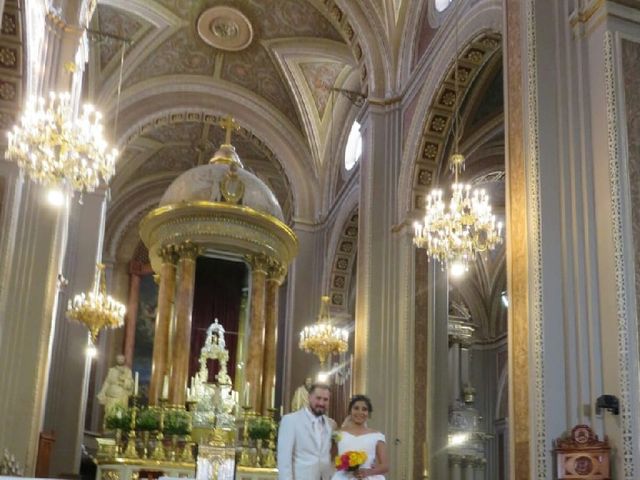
{"x": 455, "y": 233}
{"x": 323, "y": 338}
{"x": 96, "y": 309}
{"x": 54, "y": 146}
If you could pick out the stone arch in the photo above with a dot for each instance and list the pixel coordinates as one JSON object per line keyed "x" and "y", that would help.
{"x": 343, "y": 260}
{"x": 479, "y": 42}
{"x": 473, "y": 58}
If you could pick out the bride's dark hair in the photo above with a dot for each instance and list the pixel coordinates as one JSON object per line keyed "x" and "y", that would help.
{"x": 360, "y": 398}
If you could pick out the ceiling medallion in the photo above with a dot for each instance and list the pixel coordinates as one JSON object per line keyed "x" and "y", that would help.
{"x": 225, "y": 28}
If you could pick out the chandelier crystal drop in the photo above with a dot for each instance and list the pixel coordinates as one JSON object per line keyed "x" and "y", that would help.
{"x": 54, "y": 146}
{"x": 455, "y": 233}
{"x": 96, "y": 309}
{"x": 323, "y": 338}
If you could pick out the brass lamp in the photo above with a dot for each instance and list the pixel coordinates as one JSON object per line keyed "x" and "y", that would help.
{"x": 323, "y": 338}
{"x": 96, "y": 309}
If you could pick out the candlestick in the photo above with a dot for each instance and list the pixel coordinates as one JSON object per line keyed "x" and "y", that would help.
{"x": 135, "y": 385}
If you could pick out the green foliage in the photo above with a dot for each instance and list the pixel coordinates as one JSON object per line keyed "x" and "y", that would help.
{"x": 176, "y": 422}
{"x": 148, "y": 420}
{"x": 260, "y": 428}
{"x": 118, "y": 418}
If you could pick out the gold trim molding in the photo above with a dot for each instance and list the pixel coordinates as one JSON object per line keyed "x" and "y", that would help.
{"x": 218, "y": 226}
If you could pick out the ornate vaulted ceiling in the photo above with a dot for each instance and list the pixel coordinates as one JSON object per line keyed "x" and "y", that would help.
{"x": 176, "y": 84}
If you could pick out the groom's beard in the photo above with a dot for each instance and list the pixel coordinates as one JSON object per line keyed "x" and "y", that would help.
{"x": 318, "y": 411}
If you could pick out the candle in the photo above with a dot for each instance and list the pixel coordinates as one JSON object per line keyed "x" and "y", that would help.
{"x": 425, "y": 459}
{"x": 247, "y": 396}
{"x": 281, "y": 411}
{"x": 273, "y": 396}
{"x": 165, "y": 387}
{"x": 135, "y": 385}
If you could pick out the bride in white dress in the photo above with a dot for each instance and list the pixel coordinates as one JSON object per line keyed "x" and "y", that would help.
{"x": 356, "y": 436}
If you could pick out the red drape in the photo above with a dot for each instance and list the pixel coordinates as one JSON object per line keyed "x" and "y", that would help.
{"x": 217, "y": 294}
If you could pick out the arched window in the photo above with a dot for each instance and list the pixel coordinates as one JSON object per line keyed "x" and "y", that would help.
{"x": 353, "y": 152}
{"x": 442, "y": 5}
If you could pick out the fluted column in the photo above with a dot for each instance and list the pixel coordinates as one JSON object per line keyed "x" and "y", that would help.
{"x": 455, "y": 464}
{"x": 166, "y": 296}
{"x": 468, "y": 469}
{"x": 188, "y": 253}
{"x": 275, "y": 275}
{"x": 255, "y": 355}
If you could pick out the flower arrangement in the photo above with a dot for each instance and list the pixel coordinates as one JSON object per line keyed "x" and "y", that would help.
{"x": 260, "y": 429}
{"x": 118, "y": 418}
{"x": 148, "y": 420}
{"x": 350, "y": 461}
{"x": 176, "y": 422}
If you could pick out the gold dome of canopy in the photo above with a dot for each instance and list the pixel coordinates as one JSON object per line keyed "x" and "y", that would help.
{"x": 220, "y": 207}
{"x": 223, "y": 179}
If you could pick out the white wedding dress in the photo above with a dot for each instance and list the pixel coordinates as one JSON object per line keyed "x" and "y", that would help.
{"x": 367, "y": 443}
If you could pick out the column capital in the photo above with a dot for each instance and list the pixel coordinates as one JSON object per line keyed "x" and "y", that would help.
{"x": 259, "y": 262}
{"x": 188, "y": 251}
{"x": 276, "y": 271}
{"x": 169, "y": 254}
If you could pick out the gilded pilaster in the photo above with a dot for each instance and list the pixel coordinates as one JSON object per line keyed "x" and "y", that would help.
{"x": 517, "y": 252}
{"x": 166, "y": 296}
{"x": 275, "y": 276}
{"x": 255, "y": 355}
{"x": 188, "y": 252}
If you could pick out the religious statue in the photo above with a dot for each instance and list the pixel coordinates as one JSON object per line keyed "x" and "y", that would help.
{"x": 301, "y": 396}
{"x": 117, "y": 387}
{"x": 216, "y": 403}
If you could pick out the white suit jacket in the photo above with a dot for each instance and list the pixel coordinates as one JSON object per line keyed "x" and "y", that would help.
{"x": 299, "y": 455}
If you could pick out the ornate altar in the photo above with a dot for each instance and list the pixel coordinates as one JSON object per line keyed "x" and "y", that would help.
{"x": 582, "y": 456}
{"x": 217, "y": 209}
{"x": 215, "y": 404}
{"x": 126, "y": 469}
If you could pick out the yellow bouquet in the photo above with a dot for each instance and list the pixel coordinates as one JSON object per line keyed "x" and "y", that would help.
{"x": 350, "y": 461}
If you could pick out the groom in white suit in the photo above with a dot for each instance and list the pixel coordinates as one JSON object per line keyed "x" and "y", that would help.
{"x": 304, "y": 440}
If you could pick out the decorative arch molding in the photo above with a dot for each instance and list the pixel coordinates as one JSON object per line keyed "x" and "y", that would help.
{"x": 427, "y": 84}
{"x": 474, "y": 56}
{"x": 142, "y": 104}
{"x": 12, "y": 63}
{"x": 409, "y": 39}
{"x": 343, "y": 259}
